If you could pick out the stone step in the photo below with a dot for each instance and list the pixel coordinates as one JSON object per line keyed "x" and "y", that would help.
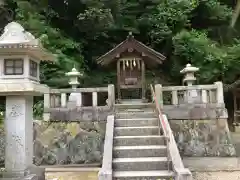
{"x": 136, "y": 122}
{"x": 139, "y": 151}
{"x": 139, "y": 140}
{"x": 135, "y": 114}
{"x": 134, "y": 131}
{"x": 140, "y": 164}
{"x": 134, "y": 106}
{"x": 143, "y": 175}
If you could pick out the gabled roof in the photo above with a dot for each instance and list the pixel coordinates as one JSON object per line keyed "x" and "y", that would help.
{"x": 133, "y": 44}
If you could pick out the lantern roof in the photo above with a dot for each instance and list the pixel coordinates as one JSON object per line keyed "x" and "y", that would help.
{"x": 15, "y": 40}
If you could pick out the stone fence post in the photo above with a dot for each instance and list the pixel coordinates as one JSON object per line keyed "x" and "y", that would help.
{"x": 46, "y": 106}
{"x": 159, "y": 95}
{"x": 220, "y": 94}
{"x": 111, "y": 95}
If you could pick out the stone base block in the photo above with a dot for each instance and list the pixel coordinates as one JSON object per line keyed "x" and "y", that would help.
{"x": 31, "y": 173}
{"x": 39, "y": 171}
{"x": 29, "y": 177}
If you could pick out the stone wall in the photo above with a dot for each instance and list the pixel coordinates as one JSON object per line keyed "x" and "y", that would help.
{"x": 203, "y": 137}
{"x": 65, "y": 143}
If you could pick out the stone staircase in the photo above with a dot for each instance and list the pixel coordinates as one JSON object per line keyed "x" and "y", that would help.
{"x": 139, "y": 149}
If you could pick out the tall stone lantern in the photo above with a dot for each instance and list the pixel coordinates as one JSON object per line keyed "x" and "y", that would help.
{"x": 189, "y": 78}
{"x": 20, "y": 56}
{"x": 75, "y": 99}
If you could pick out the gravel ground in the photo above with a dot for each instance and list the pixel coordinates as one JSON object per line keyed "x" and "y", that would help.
{"x": 216, "y": 175}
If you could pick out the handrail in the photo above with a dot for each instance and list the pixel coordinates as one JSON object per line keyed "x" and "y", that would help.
{"x": 172, "y": 149}
{"x": 106, "y": 171}
{"x": 161, "y": 122}
{"x": 159, "y": 112}
{"x": 79, "y": 90}
{"x": 193, "y": 87}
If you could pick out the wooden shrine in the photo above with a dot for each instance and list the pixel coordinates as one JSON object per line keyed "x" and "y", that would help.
{"x": 131, "y": 58}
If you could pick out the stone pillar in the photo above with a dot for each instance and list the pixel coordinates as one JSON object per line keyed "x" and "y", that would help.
{"x": 46, "y": 106}
{"x": 204, "y": 96}
{"x": 79, "y": 99}
{"x": 220, "y": 94}
{"x": 63, "y": 100}
{"x": 159, "y": 96}
{"x": 111, "y": 95}
{"x": 19, "y": 133}
{"x": 94, "y": 99}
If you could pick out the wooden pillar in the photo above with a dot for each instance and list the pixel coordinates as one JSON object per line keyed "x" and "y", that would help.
{"x": 118, "y": 79}
{"x": 143, "y": 81}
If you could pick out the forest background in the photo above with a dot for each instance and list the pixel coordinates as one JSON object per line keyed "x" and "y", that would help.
{"x": 79, "y": 31}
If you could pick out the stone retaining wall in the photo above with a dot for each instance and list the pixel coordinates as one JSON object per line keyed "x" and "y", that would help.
{"x": 65, "y": 143}
{"x": 203, "y": 137}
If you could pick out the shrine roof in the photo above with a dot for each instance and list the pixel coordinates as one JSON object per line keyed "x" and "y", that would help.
{"x": 131, "y": 44}
{"x": 16, "y": 40}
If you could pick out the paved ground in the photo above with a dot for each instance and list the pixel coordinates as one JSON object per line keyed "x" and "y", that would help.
{"x": 217, "y": 176}
{"x": 72, "y": 176}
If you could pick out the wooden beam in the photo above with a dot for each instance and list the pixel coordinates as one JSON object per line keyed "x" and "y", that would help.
{"x": 143, "y": 81}
{"x": 118, "y": 79}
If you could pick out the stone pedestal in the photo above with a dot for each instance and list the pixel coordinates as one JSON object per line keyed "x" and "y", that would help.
{"x": 75, "y": 99}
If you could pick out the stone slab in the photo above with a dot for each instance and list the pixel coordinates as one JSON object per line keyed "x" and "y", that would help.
{"x": 69, "y": 173}
{"x": 79, "y": 114}
{"x": 29, "y": 177}
{"x": 32, "y": 173}
{"x": 195, "y": 111}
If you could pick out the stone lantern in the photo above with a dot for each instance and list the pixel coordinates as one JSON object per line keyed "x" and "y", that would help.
{"x": 20, "y": 56}
{"x": 189, "y": 71}
{"x": 189, "y": 78}
{"x": 73, "y": 76}
{"x": 75, "y": 99}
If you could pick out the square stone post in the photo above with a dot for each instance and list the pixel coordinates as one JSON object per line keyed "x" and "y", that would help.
{"x": 19, "y": 135}
{"x": 111, "y": 95}
{"x": 159, "y": 95}
{"x": 220, "y": 94}
{"x": 19, "y": 139}
{"x": 46, "y": 106}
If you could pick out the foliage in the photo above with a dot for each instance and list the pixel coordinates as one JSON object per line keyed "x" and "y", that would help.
{"x": 196, "y": 48}
{"x": 38, "y": 110}
{"x": 77, "y": 32}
